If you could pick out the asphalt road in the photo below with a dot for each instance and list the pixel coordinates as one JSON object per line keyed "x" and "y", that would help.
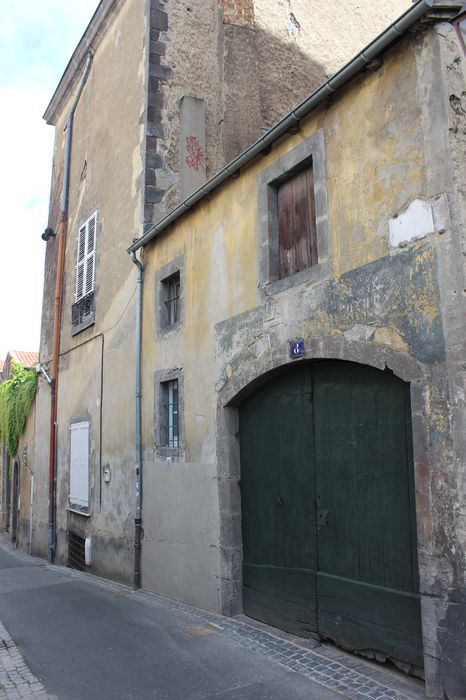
{"x": 85, "y": 641}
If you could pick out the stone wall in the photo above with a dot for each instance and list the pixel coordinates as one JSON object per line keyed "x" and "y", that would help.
{"x": 255, "y": 59}
{"x": 390, "y": 297}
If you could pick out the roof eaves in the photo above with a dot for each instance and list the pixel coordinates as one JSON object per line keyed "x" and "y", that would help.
{"x": 25, "y": 358}
{"x": 87, "y": 44}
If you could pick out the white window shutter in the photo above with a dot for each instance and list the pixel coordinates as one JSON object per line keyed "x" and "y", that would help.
{"x": 85, "y": 266}
{"x": 80, "y": 263}
{"x": 79, "y": 464}
{"x": 90, "y": 253}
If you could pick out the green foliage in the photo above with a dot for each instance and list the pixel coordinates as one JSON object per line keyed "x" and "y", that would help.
{"x": 16, "y": 397}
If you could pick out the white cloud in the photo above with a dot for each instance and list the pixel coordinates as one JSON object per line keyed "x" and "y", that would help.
{"x": 36, "y": 42}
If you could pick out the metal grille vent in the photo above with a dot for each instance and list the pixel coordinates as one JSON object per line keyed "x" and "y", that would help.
{"x": 76, "y": 551}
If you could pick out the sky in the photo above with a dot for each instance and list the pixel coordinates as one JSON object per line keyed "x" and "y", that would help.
{"x": 37, "y": 38}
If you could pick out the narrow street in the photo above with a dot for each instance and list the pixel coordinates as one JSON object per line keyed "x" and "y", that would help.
{"x": 70, "y": 636}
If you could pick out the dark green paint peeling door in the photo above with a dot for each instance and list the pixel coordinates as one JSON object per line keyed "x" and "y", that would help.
{"x": 277, "y": 489}
{"x": 329, "y": 529}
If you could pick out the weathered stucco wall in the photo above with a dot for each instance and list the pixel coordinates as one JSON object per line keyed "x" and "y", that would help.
{"x": 385, "y": 145}
{"x": 126, "y": 166}
{"x": 96, "y": 375}
{"x": 441, "y": 92}
{"x": 381, "y": 305}
{"x": 41, "y": 469}
{"x": 26, "y": 457}
{"x": 300, "y": 44}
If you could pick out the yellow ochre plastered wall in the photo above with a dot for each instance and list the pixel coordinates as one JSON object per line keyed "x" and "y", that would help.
{"x": 374, "y": 169}
{"x": 374, "y": 164}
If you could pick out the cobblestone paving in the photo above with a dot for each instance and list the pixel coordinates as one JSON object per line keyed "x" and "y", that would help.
{"x": 330, "y": 668}
{"x": 16, "y": 680}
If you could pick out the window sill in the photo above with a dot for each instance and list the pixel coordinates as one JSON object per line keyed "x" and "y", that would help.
{"x": 170, "y": 454}
{"x": 315, "y": 274}
{"x": 85, "y": 323}
{"x": 78, "y": 512}
{"x": 164, "y": 331}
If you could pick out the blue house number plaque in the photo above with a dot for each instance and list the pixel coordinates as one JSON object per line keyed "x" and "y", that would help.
{"x": 297, "y": 348}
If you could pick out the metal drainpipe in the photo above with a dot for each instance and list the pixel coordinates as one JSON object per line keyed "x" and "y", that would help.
{"x": 62, "y": 230}
{"x": 138, "y": 450}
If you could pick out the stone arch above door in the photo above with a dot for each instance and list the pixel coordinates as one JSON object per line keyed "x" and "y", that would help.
{"x": 252, "y": 372}
{"x": 255, "y": 368}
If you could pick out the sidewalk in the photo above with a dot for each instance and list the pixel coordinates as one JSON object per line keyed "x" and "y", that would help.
{"x": 236, "y": 649}
{"x": 16, "y": 680}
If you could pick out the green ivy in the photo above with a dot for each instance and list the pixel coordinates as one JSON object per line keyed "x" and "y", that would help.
{"x": 16, "y": 397}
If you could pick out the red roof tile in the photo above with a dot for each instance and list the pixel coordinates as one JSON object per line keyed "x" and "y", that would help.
{"x": 24, "y": 357}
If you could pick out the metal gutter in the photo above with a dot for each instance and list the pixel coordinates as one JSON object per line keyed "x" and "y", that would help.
{"x": 59, "y": 275}
{"x": 331, "y": 86}
{"x": 138, "y": 445}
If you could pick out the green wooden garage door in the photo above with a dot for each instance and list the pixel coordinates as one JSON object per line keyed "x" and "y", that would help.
{"x": 329, "y": 529}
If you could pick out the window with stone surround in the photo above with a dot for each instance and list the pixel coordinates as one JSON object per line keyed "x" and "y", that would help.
{"x": 292, "y": 218}
{"x": 168, "y": 414}
{"x": 169, "y": 295}
{"x": 297, "y": 244}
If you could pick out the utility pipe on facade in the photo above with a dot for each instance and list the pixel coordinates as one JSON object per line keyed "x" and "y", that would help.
{"x": 138, "y": 446}
{"x": 62, "y": 231}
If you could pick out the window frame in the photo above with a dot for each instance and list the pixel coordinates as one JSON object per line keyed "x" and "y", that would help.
{"x": 162, "y": 447}
{"x": 163, "y": 279}
{"x": 172, "y": 412}
{"x": 173, "y": 299}
{"x": 310, "y": 152}
{"x": 83, "y": 308}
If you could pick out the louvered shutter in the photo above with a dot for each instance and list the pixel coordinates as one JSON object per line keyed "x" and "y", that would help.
{"x": 79, "y": 464}
{"x": 80, "y": 265}
{"x": 85, "y": 266}
{"x": 90, "y": 254}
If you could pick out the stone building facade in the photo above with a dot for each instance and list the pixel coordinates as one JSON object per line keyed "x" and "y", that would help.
{"x": 263, "y": 362}
{"x": 176, "y": 94}
{"x": 175, "y": 90}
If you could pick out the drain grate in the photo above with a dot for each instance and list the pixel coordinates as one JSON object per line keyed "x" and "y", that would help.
{"x": 76, "y": 555}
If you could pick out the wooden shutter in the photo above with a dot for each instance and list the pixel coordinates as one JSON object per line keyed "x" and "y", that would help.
{"x": 80, "y": 263}
{"x": 85, "y": 266}
{"x": 90, "y": 254}
{"x": 296, "y": 223}
{"x": 79, "y": 464}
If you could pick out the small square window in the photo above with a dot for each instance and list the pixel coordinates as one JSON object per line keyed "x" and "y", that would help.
{"x": 169, "y": 294}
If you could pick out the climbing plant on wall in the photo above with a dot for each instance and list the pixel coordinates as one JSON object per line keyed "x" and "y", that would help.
{"x": 16, "y": 397}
